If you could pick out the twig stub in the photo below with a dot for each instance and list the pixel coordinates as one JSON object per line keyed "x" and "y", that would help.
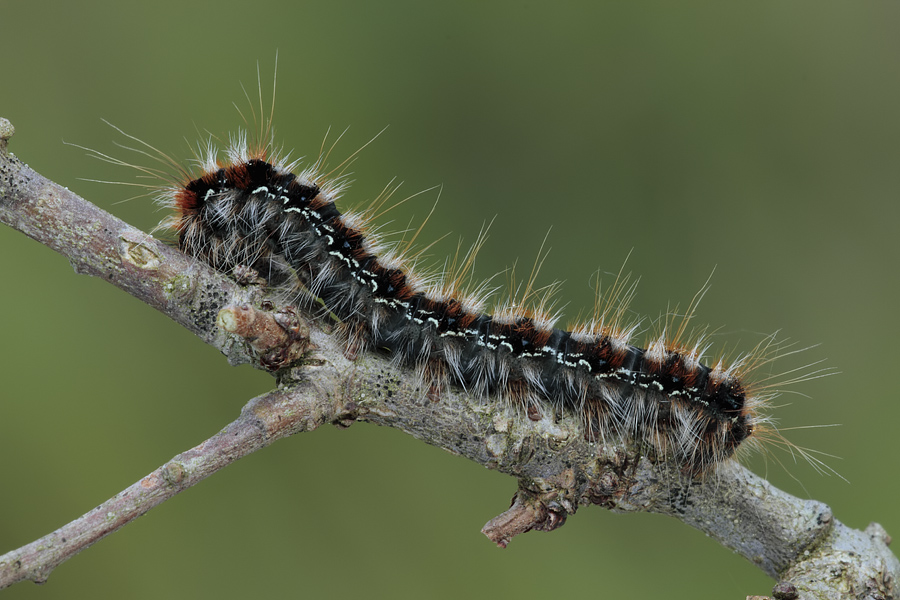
{"x": 6, "y": 131}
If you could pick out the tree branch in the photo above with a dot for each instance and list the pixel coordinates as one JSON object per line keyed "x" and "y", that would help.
{"x": 263, "y": 421}
{"x": 797, "y": 542}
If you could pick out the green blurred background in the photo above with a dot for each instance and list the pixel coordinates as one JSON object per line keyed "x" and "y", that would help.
{"x": 756, "y": 138}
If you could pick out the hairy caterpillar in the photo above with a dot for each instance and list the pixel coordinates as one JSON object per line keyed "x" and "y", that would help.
{"x": 250, "y": 209}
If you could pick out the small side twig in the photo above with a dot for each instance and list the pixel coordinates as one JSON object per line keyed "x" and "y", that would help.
{"x": 527, "y": 513}
{"x": 263, "y": 420}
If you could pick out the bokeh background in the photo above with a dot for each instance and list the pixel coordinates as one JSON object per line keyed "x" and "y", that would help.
{"x": 759, "y": 139}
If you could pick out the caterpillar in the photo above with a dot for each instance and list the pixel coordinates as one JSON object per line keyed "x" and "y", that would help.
{"x": 251, "y": 209}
